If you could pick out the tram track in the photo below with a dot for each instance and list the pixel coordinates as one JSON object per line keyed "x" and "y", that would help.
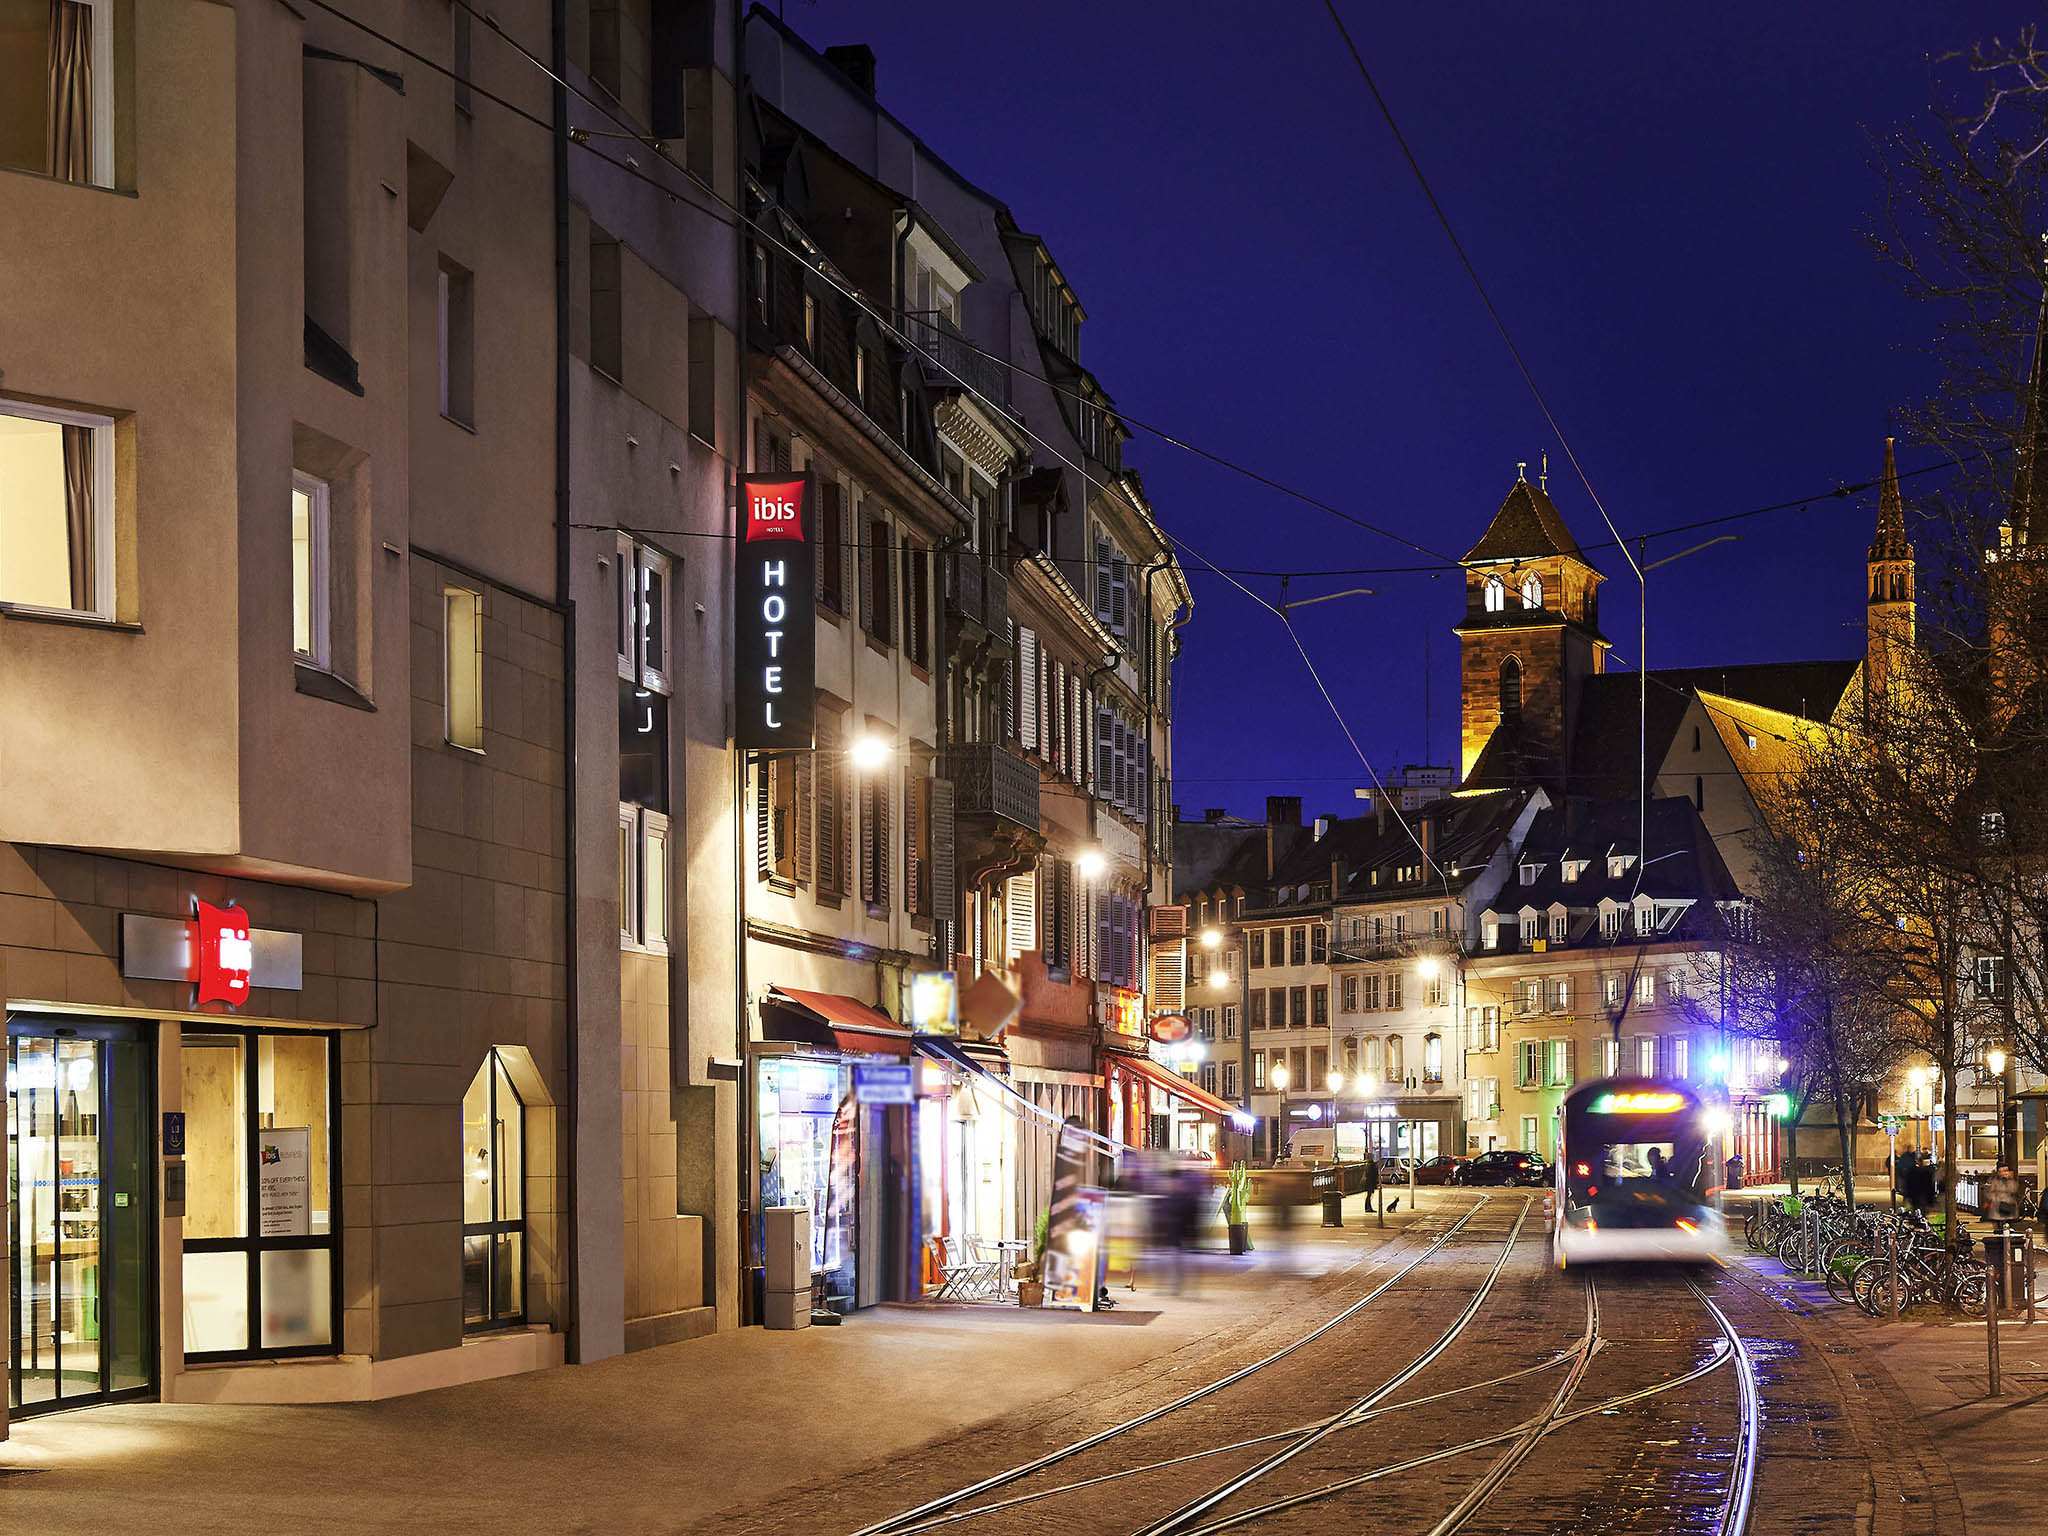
{"x": 945, "y": 1509}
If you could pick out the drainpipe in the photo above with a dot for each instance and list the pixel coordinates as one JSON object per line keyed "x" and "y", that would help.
{"x": 558, "y": 49}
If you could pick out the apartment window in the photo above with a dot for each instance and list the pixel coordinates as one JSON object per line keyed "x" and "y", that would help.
{"x": 1681, "y": 1057}
{"x": 878, "y": 590}
{"x": 1529, "y": 1064}
{"x": 1297, "y": 947}
{"x": 1297, "y": 1010}
{"x": 309, "y": 569}
{"x": 1209, "y": 1077}
{"x": 1432, "y": 1058}
{"x": 56, "y": 89}
{"x": 56, "y": 508}
{"x": 1489, "y": 1028}
{"x": 1256, "y": 1011}
{"x": 1319, "y": 945}
{"x": 1393, "y": 989}
{"x": 1395, "y": 1065}
{"x": 1561, "y": 995}
{"x": 1229, "y": 1021}
{"x": 1436, "y": 994}
{"x": 1646, "y": 990}
{"x": 1560, "y": 927}
{"x": 1369, "y": 991}
{"x": 1646, "y": 1055}
{"x": 1258, "y": 1069}
{"x": 1991, "y": 976}
{"x": 463, "y": 648}
{"x": 643, "y": 879}
{"x": 493, "y": 1199}
{"x": 1319, "y": 1005}
{"x": 1230, "y": 1080}
{"x": 1349, "y": 994}
{"x": 1257, "y": 940}
{"x": 1529, "y": 1143}
{"x": 642, "y": 588}
{"x": 1610, "y": 1058}
{"x": 1610, "y": 922}
{"x": 457, "y": 342}
{"x": 1674, "y": 987}
{"x": 1557, "y": 1063}
{"x": 1532, "y": 995}
{"x": 1278, "y": 1014}
{"x": 1348, "y": 1054}
{"x": 1531, "y": 929}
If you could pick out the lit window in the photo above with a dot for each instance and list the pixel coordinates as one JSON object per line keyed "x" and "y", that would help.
{"x": 1646, "y": 990}
{"x": 57, "y": 89}
{"x": 1532, "y": 591}
{"x": 1496, "y": 594}
{"x": 309, "y": 569}
{"x": 56, "y": 508}
{"x": 465, "y": 667}
{"x": 643, "y": 879}
{"x": 641, "y": 588}
{"x": 493, "y": 1199}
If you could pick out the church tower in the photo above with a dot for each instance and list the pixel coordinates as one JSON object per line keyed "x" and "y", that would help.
{"x": 1531, "y": 635}
{"x": 1888, "y": 622}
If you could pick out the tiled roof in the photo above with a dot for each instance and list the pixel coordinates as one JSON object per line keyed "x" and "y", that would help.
{"x": 1682, "y": 862}
{"x": 1811, "y": 690}
{"x": 1527, "y": 526}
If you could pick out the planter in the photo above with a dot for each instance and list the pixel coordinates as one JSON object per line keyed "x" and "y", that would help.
{"x": 1030, "y": 1293}
{"x": 1240, "y": 1236}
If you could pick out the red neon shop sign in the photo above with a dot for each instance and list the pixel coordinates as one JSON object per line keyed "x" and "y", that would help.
{"x": 223, "y": 952}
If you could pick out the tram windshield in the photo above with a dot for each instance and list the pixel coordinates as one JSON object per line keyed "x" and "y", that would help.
{"x": 1640, "y": 1150}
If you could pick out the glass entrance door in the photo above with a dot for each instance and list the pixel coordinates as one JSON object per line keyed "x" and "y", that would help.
{"x": 78, "y": 1178}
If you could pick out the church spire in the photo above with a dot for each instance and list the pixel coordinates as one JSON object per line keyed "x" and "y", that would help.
{"x": 2030, "y": 480}
{"x": 1890, "y": 543}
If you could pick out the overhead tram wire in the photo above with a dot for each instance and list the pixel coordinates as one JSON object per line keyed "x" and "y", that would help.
{"x": 693, "y": 193}
{"x": 692, "y": 190}
{"x": 1642, "y": 580}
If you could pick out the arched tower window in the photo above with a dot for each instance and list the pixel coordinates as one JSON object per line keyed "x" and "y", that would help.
{"x": 1532, "y": 591}
{"x": 1496, "y": 594}
{"x": 1898, "y": 586}
{"x": 1877, "y": 586}
{"x": 1511, "y": 689}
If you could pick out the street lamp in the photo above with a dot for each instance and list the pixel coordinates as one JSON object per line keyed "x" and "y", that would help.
{"x": 1915, "y": 1076}
{"x": 1090, "y": 864}
{"x": 870, "y": 754}
{"x": 1995, "y": 1060}
{"x": 1211, "y": 939}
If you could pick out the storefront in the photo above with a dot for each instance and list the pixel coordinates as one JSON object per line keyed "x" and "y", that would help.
{"x": 820, "y": 1142}
{"x": 1150, "y": 1106}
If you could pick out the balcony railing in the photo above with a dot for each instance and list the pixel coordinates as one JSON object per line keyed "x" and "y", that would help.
{"x": 991, "y": 780}
{"x": 940, "y": 340}
{"x": 977, "y": 589}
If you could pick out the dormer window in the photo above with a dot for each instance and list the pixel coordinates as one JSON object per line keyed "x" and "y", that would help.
{"x": 1489, "y": 932}
{"x": 1496, "y": 594}
{"x": 1530, "y": 927}
{"x": 1532, "y": 591}
{"x": 1618, "y": 864}
{"x": 1560, "y": 927}
{"x": 1571, "y": 869}
{"x": 1529, "y": 872}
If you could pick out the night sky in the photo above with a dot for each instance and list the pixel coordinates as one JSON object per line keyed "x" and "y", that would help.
{"x": 1666, "y": 206}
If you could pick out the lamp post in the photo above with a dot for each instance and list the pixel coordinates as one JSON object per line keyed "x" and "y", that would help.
{"x": 1995, "y": 1060}
{"x": 1278, "y": 1078}
{"x": 1915, "y": 1076}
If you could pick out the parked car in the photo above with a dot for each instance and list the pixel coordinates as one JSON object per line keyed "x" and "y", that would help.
{"x": 1503, "y": 1166}
{"x": 1442, "y": 1169}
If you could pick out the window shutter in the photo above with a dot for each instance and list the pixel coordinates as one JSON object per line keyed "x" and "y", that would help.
{"x": 886, "y": 602}
{"x": 1105, "y": 755}
{"x": 866, "y": 837}
{"x": 944, "y": 893}
{"x": 825, "y": 779}
{"x": 1020, "y": 910}
{"x": 1010, "y": 687}
{"x": 764, "y": 794}
{"x": 1102, "y": 599}
{"x": 848, "y": 554}
{"x": 827, "y": 530}
{"x": 1077, "y": 928}
{"x": 1027, "y": 695}
{"x": 866, "y": 575}
{"x": 1119, "y": 592}
{"x": 913, "y": 856}
{"x": 805, "y": 806}
{"x": 884, "y": 806}
{"x": 1056, "y": 716}
{"x": 1105, "y": 936}
{"x": 1077, "y": 726}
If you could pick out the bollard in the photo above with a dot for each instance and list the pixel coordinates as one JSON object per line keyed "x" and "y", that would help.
{"x": 1893, "y": 1278}
{"x": 1991, "y": 1333}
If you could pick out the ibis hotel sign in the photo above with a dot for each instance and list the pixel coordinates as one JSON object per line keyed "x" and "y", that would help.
{"x": 775, "y": 638}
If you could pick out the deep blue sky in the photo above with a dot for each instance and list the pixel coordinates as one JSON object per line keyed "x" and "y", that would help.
{"x": 1666, "y": 205}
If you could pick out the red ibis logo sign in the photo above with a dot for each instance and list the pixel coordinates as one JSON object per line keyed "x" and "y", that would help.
{"x": 224, "y": 951}
{"x": 774, "y": 618}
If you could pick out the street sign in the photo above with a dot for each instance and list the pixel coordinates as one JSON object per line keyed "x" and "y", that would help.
{"x": 885, "y": 1082}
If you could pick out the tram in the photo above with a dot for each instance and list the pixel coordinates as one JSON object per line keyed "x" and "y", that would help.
{"x": 1638, "y": 1173}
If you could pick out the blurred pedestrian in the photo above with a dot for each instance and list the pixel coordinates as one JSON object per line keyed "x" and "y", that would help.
{"x": 1919, "y": 1184}
{"x": 1371, "y": 1179}
{"x": 1733, "y": 1166}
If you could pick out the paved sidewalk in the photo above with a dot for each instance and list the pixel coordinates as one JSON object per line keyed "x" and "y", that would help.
{"x": 648, "y": 1442}
{"x": 1996, "y": 1448}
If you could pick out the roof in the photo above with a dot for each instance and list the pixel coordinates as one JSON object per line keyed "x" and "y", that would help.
{"x": 1608, "y": 742}
{"x": 1681, "y": 864}
{"x": 1891, "y": 542}
{"x": 1466, "y": 829}
{"x": 1527, "y": 526}
{"x": 1811, "y": 690}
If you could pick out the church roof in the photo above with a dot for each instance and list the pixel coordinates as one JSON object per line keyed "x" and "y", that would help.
{"x": 1809, "y": 690}
{"x": 1527, "y": 527}
{"x": 1891, "y": 542}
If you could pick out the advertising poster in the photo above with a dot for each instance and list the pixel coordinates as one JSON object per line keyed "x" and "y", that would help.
{"x": 1073, "y": 1249}
{"x": 284, "y": 1181}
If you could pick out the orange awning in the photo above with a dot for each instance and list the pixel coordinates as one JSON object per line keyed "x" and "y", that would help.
{"x": 1175, "y": 1084}
{"x": 831, "y": 1021}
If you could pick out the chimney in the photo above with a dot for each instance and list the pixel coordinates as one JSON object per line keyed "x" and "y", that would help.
{"x": 1340, "y": 871}
{"x": 1214, "y": 814}
{"x": 1283, "y": 810}
{"x": 1379, "y": 815}
{"x": 856, "y": 61}
{"x": 1428, "y": 831}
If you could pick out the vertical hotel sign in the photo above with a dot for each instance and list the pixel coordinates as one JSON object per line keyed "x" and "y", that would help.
{"x": 775, "y": 639}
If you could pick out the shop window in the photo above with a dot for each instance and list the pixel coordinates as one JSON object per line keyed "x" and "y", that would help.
{"x": 463, "y": 640}
{"x": 57, "y": 89}
{"x": 56, "y": 506}
{"x": 493, "y": 1200}
{"x": 261, "y": 1267}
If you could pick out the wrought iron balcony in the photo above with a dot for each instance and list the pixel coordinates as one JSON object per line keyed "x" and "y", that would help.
{"x": 990, "y": 780}
{"x": 941, "y": 340}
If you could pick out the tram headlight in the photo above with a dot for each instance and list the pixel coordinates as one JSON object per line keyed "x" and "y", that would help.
{"x": 1718, "y": 1121}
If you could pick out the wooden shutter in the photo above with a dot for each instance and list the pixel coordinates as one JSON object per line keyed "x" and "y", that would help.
{"x": 1169, "y": 978}
{"x": 827, "y": 535}
{"x": 1119, "y": 592}
{"x": 945, "y": 894}
{"x": 1077, "y": 722}
{"x": 1102, "y": 599}
{"x": 825, "y": 774}
{"x": 866, "y": 836}
{"x": 1020, "y": 911}
{"x": 913, "y": 824}
{"x": 848, "y": 555}
{"x": 1105, "y": 754}
{"x": 1028, "y": 689}
{"x": 806, "y": 808}
{"x": 866, "y": 569}
{"x": 764, "y": 794}
{"x": 1010, "y": 694}
{"x": 884, "y": 805}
